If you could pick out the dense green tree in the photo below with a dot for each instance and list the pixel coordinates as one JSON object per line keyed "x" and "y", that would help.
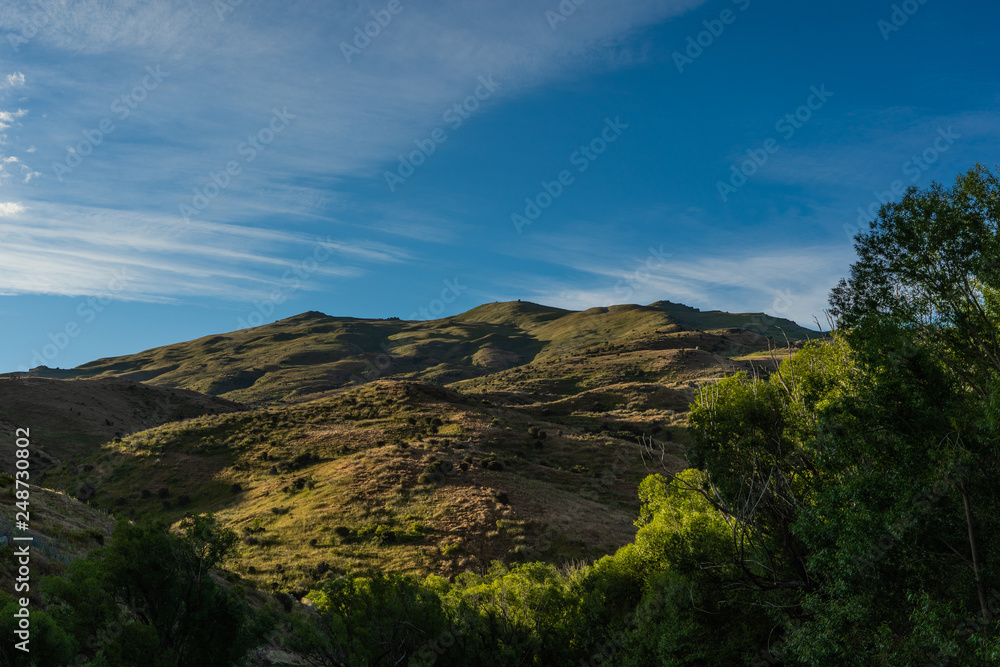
{"x": 49, "y": 644}
{"x": 682, "y": 552}
{"x": 913, "y": 456}
{"x": 928, "y": 275}
{"x": 149, "y": 598}
{"x": 376, "y": 619}
{"x": 643, "y": 605}
{"x": 756, "y": 439}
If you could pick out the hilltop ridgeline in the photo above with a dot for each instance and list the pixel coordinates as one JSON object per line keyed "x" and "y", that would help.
{"x": 303, "y": 356}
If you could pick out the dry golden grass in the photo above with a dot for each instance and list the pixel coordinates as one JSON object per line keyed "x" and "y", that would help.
{"x": 532, "y": 451}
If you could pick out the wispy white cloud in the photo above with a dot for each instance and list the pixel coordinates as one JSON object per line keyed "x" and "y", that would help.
{"x": 225, "y": 79}
{"x": 7, "y": 118}
{"x": 10, "y": 208}
{"x": 791, "y": 282}
{"x": 89, "y": 26}
{"x": 353, "y": 118}
{"x": 55, "y": 250}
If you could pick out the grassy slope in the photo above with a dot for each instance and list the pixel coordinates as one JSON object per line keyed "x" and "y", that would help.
{"x": 301, "y": 357}
{"x": 63, "y": 529}
{"x": 67, "y": 419}
{"x": 355, "y": 461}
{"x": 317, "y": 455}
{"x": 694, "y": 319}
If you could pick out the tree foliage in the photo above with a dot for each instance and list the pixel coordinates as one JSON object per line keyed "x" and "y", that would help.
{"x": 149, "y": 598}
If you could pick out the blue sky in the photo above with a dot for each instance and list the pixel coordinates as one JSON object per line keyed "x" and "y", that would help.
{"x": 174, "y": 169}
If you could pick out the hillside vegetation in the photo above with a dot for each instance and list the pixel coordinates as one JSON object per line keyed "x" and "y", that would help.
{"x": 411, "y": 476}
{"x": 514, "y": 433}
{"x": 300, "y": 357}
{"x": 532, "y": 454}
{"x": 68, "y": 420}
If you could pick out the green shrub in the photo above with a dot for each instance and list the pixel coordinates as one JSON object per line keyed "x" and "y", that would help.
{"x": 144, "y": 600}
{"x": 285, "y": 600}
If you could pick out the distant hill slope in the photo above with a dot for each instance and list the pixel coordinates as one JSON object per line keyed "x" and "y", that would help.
{"x": 403, "y": 476}
{"x": 303, "y": 356}
{"x": 710, "y": 320}
{"x": 520, "y": 314}
{"x": 68, "y": 418}
{"x": 513, "y": 431}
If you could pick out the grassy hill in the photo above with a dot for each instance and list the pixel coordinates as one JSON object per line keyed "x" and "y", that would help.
{"x": 301, "y": 357}
{"x": 62, "y": 528}
{"x": 68, "y": 418}
{"x": 709, "y": 320}
{"x": 402, "y": 475}
{"x": 511, "y": 432}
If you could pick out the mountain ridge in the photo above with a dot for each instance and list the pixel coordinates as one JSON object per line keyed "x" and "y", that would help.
{"x": 312, "y": 352}
{"x": 512, "y": 431}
